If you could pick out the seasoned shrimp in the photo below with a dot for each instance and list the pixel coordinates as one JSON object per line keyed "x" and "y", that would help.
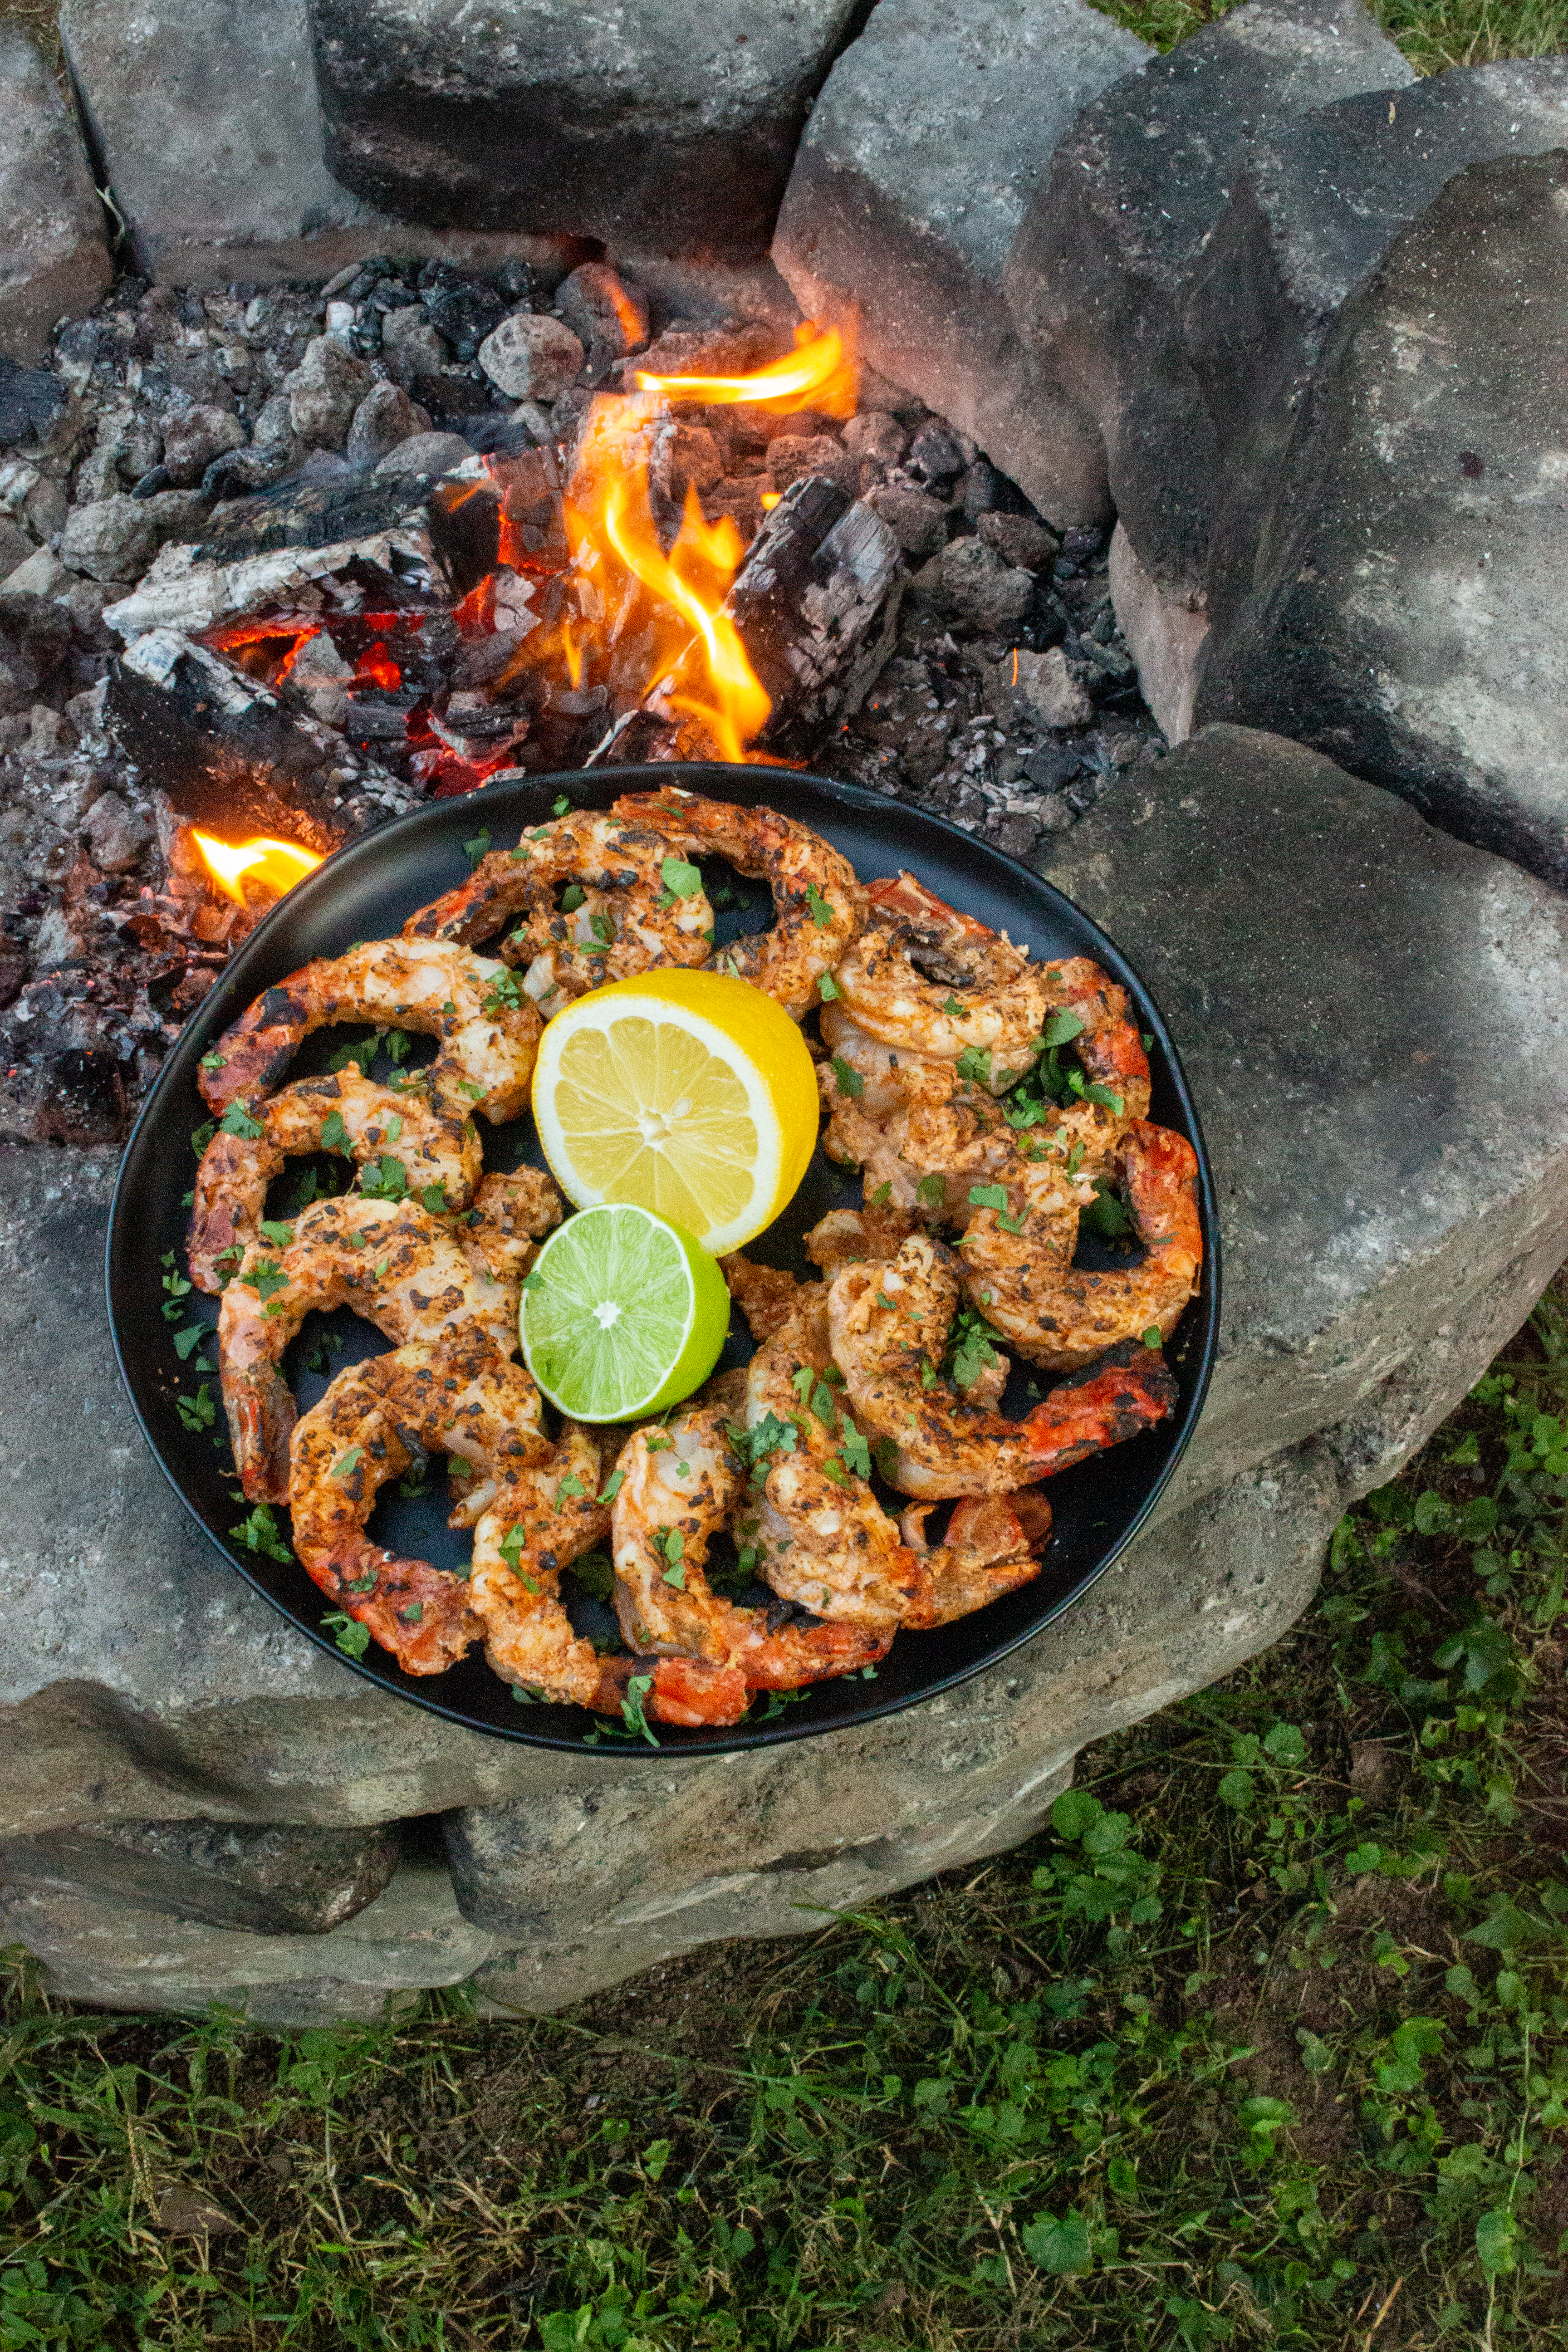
{"x": 678, "y": 1487}
{"x": 458, "y": 1396}
{"x": 888, "y": 1326}
{"x": 510, "y": 1217}
{"x": 1062, "y": 1316}
{"x": 818, "y": 904}
{"x": 820, "y": 1535}
{"x": 431, "y": 1143}
{"x": 625, "y": 913}
{"x": 924, "y": 979}
{"x": 392, "y": 1261}
{"x": 993, "y": 1545}
{"x": 489, "y": 1031}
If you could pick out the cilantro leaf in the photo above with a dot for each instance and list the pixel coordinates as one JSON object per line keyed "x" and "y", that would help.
{"x": 1105, "y": 1212}
{"x": 572, "y": 897}
{"x": 237, "y": 1120}
{"x": 1153, "y": 1336}
{"x": 259, "y": 1533}
{"x": 561, "y": 805}
{"x": 213, "y": 1062}
{"x": 957, "y": 1012}
{"x": 385, "y": 1179}
{"x": 352, "y": 1638}
{"x": 202, "y": 1136}
{"x": 1061, "y": 1027}
{"x": 612, "y": 1487}
{"x": 848, "y": 1082}
{"x": 199, "y": 1411}
{"x": 571, "y": 1486}
{"x": 635, "y": 1720}
{"x": 279, "y": 1234}
{"x": 266, "y": 1279}
{"x": 511, "y": 1545}
{"x": 433, "y": 1199}
{"x": 334, "y": 1134}
{"x": 988, "y": 1196}
{"x": 504, "y": 995}
{"x": 827, "y": 988}
{"x": 478, "y": 847}
{"x": 821, "y": 912}
{"x": 932, "y": 1190}
{"x": 974, "y": 1066}
{"x": 856, "y": 1453}
{"x": 347, "y": 1464}
{"x": 189, "y": 1339}
{"x": 680, "y": 879}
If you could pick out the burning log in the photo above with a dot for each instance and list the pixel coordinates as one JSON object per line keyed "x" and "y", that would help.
{"x": 230, "y": 756}
{"x": 818, "y": 575}
{"x": 181, "y": 592}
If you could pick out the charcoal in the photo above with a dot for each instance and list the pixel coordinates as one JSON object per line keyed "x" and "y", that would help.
{"x": 463, "y": 313}
{"x": 231, "y": 757}
{"x": 35, "y": 643}
{"x": 816, "y": 580}
{"x": 303, "y": 515}
{"x": 31, "y": 399}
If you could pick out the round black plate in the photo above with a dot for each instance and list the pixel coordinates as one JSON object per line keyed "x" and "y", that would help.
{"x": 368, "y": 891}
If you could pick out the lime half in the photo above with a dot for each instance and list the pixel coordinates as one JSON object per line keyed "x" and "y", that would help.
{"x": 622, "y": 1314}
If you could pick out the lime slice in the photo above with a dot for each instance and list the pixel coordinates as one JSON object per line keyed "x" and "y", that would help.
{"x": 690, "y": 1093}
{"x": 622, "y": 1314}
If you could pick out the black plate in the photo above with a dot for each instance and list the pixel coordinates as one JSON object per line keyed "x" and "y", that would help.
{"x": 367, "y": 892}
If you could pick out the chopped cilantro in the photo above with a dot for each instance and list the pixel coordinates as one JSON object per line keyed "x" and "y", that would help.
{"x": 213, "y": 1062}
{"x": 828, "y": 989}
{"x": 511, "y": 1546}
{"x": 478, "y": 847}
{"x": 635, "y": 1720}
{"x": 969, "y": 1347}
{"x": 347, "y": 1464}
{"x": 237, "y": 1120}
{"x": 571, "y": 1486}
{"x": 1105, "y": 1212}
{"x": 414, "y": 1614}
{"x": 680, "y": 879}
{"x": 856, "y": 1453}
{"x": 603, "y": 930}
{"x": 199, "y": 1411}
{"x": 504, "y": 995}
{"x": 973, "y": 1064}
{"x": 821, "y": 912}
{"x": 849, "y": 1082}
{"x": 474, "y": 1093}
{"x": 259, "y": 1533}
{"x": 433, "y": 1199}
{"x": 988, "y": 1196}
{"x": 278, "y": 1233}
{"x": 932, "y": 1190}
{"x": 957, "y": 1012}
{"x": 1061, "y": 1027}
{"x": 352, "y": 1638}
{"x": 202, "y": 1136}
{"x": 266, "y": 1277}
{"x": 612, "y": 1487}
{"x": 385, "y": 1179}
{"x": 561, "y": 805}
{"x": 334, "y": 1134}
{"x": 572, "y": 897}
{"x": 1152, "y": 1336}
{"x": 361, "y": 1056}
{"x": 886, "y": 1453}
{"x": 884, "y": 1302}
{"x": 305, "y": 1192}
{"x": 833, "y": 1468}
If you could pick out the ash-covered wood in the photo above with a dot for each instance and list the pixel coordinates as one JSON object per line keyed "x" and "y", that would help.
{"x": 814, "y": 582}
{"x": 231, "y": 757}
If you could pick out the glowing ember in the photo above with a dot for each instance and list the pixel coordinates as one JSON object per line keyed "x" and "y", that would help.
{"x": 377, "y": 665}
{"x": 277, "y": 865}
{"x": 819, "y": 374}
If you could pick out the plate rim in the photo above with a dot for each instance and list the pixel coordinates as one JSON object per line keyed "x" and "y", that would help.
{"x": 674, "y": 1743}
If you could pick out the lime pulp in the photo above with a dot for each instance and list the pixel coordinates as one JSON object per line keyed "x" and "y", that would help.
{"x": 622, "y": 1314}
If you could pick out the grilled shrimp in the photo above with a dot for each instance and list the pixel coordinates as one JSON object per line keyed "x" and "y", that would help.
{"x": 993, "y": 1545}
{"x": 625, "y": 917}
{"x": 432, "y": 1142}
{"x": 392, "y": 1261}
{"x": 889, "y": 1326}
{"x": 488, "y": 1030}
{"x": 678, "y": 1488}
{"x": 1062, "y": 1316}
{"x": 923, "y": 979}
{"x": 510, "y": 1214}
{"x": 820, "y": 1535}
{"x": 818, "y": 904}
{"x": 458, "y": 1396}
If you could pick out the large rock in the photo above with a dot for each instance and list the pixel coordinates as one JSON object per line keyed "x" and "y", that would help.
{"x": 205, "y": 118}
{"x": 919, "y": 159}
{"x": 53, "y": 256}
{"x": 1374, "y": 1018}
{"x": 1099, "y": 269}
{"x": 1317, "y": 208}
{"x": 100, "y": 1947}
{"x": 1404, "y": 608}
{"x": 270, "y": 1881}
{"x": 669, "y": 121}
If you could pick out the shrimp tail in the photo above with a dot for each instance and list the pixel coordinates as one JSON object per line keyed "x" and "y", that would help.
{"x": 262, "y": 1414}
{"x": 686, "y": 1691}
{"x": 1124, "y": 1397}
{"x": 419, "y": 1612}
{"x": 261, "y": 1043}
{"x": 992, "y": 1546}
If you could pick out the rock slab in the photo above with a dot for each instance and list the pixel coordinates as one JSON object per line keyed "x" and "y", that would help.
{"x": 1316, "y": 209}
{"x": 1099, "y": 272}
{"x": 670, "y": 123}
{"x": 205, "y": 120}
{"x": 920, "y": 157}
{"x": 53, "y": 256}
{"x": 1404, "y": 611}
{"x": 270, "y": 1881}
{"x": 1373, "y": 1019}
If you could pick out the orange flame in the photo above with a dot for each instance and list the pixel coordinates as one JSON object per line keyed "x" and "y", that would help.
{"x": 820, "y": 374}
{"x": 276, "y": 865}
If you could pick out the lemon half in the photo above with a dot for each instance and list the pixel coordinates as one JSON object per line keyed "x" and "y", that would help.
{"x": 687, "y": 1093}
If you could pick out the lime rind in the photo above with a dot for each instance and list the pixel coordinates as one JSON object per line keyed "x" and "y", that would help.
{"x": 624, "y": 1314}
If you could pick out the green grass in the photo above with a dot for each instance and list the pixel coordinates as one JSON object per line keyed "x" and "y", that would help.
{"x": 1266, "y": 2043}
{"x": 1433, "y": 34}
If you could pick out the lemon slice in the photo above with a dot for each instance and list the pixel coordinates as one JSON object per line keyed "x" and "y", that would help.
{"x": 688, "y": 1093}
{"x": 622, "y": 1314}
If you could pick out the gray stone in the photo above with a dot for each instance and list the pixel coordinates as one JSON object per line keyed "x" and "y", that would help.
{"x": 973, "y": 582}
{"x": 53, "y": 256}
{"x": 425, "y": 452}
{"x": 383, "y": 420}
{"x": 116, "y": 538}
{"x": 324, "y": 390}
{"x": 667, "y": 122}
{"x": 42, "y": 575}
{"x": 194, "y": 437}
{"x": 271, "y": 1881}
{"x": 117, "y": 833}
{"x": 411, "y": 344}
{"x": 1164, "y": 630}
{"x": 1099, "y": 269}
{"x": 532, "y": 358}
{"x": 1406, "y": 609}
{"x": 920, "y": 157}
{"x": 98, "y": 1947}
{"x": 1372, "y": 1017}
{"x": 1316, "y": 209}
{"x": 206, "y": 115}
{"x": 17, "y": 549}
